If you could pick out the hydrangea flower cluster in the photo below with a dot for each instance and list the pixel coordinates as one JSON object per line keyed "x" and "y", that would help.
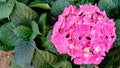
{"x": 84, "y": 33}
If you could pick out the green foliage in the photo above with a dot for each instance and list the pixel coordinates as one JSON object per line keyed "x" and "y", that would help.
{"x": 6, "y": 8}
{"x": 40, "y": 4}
{"x": 5, "y": 47}
{"x": 14, "y": 64}
{"x": 118, "y": 32}
{"x": 35, "y": 30}
{"x": 58, "y": 7}
{"x": 23, "y": 52}
{"x": 22, "y": 14}
{"x": 81, "y": 2}
{"x": 48, "y": 60}
{"x": 23, "y": 32}
{"x": 112, "y": 7}
{"x": 24, "y": 1}
{"x": 7, "y": 35}
{"x": 48, "y": 45}
{"x": 24, "y": 28}
{"x": 2, "y": 0}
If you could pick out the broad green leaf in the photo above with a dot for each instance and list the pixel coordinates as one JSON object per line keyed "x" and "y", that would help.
{"x": 113, "y": 57}
{"x": 42, "y": 23}
{"x": 111, "y": 7}
{"x": 40, "y": 5}
{"x": 23, "y": 52}
{"x": 5, "y": 47}
{"x": 64, "y": 64}
{"x": 13, "y": 64}
{"x": 35, "y": 30}
{"x": 6, "y": 8}
{"x": 24, "y": 47}
{"x": 48, "y": 45}
{"x": 7, "y": 35}
{"x": 44, "y": 59}
{"x": 23, "y": 32}
{"x": 116, "y": 61}
{"x": 22, "y": 14}
{"x": 58, "y": 7}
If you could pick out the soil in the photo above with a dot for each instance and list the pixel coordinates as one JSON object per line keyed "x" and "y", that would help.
{"x": 5, "y": 58}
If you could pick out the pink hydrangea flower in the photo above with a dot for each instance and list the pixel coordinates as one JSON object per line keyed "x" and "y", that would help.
{"x": 84, "y": 33}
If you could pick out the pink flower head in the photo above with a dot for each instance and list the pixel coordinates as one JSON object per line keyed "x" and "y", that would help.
{"x": 84, "y": 33}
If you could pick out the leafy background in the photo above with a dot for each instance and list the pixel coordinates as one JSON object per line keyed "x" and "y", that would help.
{"x": 26, "y": 25}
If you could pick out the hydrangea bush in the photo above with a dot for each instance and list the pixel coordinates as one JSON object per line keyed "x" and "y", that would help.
{"x": 85, "y": 33}
{"x": 61, "y": 33}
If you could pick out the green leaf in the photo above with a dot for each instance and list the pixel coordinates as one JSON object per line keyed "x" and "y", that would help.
{"x": 49, "y": 1}
{"x": 117, "y": 42}
{"x": 113, "y": 57}
{"x": 44, "y": 59}
{"x": 40, "y": 5}
{"x": 24, "y": 1}
{"x": 5, "y": 47}
{"x": 111, "y": 7}
{"x": 87, "y": 65}
{"x": 3, "y": 0}
{"x": 23, "y": 52}
{"x": 22, "y": 14}
{"x": 48, "y": 45}
{"x": 35, "y": 30}
{"x": 6, "y": 8}
{"x": 86, "y": 1}
{"x": 64, "y": 64}
{"x": 13, "y": 64}
{"x": 7, "y": 35}
{"x": 42, "y": 23}
{"x": 58, "y": 7}
{"x": 23, "y": 32}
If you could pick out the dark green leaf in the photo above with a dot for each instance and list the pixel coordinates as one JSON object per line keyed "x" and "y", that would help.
{"x": 58, "y": 7}
{"x": 22, "y": 14}
{"x": 3, "y": 0}
{"x": 24, "y": 1}
{"x": 48, "y": 45}
{"x": 7, "y": 35}
{"x": 23, "y": 52}
{"x": 13, "y": 64}
{"x": 87, "y": 65}
{"x": 23, "y": 32}
{"x": 49, "y": 1}
{"x": 42, "y": 23}
{"x": 112, "y": 7}
{"x": 5, "y": 47}
{"x": 44, "y": 59}
{"x": 112, "y": 59}
{"x": 117, "y": 42}
{"x": 86, "y": 1}
{"x": 35, "y": 30}
{"x": 64, "y": 64}
{"x": 6, "y": 8}
{"x": 40, "y": 5}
